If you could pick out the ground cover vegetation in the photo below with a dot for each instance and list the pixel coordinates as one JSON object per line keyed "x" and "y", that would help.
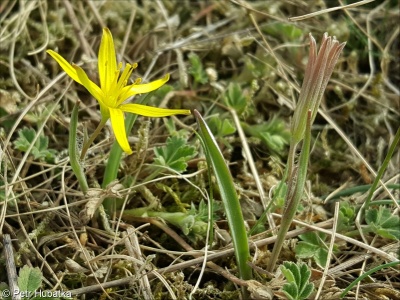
{"x": 173, "y": 186}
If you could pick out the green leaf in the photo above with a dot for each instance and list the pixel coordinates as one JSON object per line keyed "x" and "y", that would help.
{"x": 26, "y": 137}
{"x": 366, "y": 274}
{"x": 318, "y": 254}
{"x": 221, "y": 127}
{"x": 29, "y": 279}
{"x": 290, "y": 290}
{"x": 305, "y": 275}
{"x": 298, "y": 276}
{"x": 74, "y": 160}
{"x": 196, "y": 69}
{"x": 174, "y": 154}
{"x": 346, "y": 216}
{"x": 312, "y": 246}
{"x": 229, "y": 197}
{"x": 307, "y": 290}
{"x": 306, "y": 250}
{"x": 382, "y": 222}
{"x": 313, "y": 237}
{"x": 272, "y": 133}
{"x": 287, "y": 271}
{"x": 234, "y": 98}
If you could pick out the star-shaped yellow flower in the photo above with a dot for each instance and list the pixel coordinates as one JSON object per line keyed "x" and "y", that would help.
{"x": 114, "y": 91}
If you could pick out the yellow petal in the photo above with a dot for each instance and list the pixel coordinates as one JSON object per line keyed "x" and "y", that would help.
{"x": 89, "y": 85}
{"x": 107, "y": 62}
{"x": 149, "y": 111}
{"x": 118, "y": 126}
{"x": 134, "y": 89}
{"x": 66, "y": 66}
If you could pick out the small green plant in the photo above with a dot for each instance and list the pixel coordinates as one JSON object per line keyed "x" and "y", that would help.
{"x": 312, "y": 246}
{"x": 172, "y": 131}
{"x": 347, "y": 214}
{"x": 26, "y": 137}
{"x": 29, "y": 279}
{"x": 175, "y": 154}
{"x": 196, "y": 69}
{"x": 298, "y": 286}
{"x": 318, "y": 72}
{"x": 235, "y": 99}
{"x": 272, "y": 133}
{"x": 29, "y": 283}
{"x": 221, "y": 128}
{"x": 383, "y": 223}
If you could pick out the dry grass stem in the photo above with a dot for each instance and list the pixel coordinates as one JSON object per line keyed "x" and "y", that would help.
{"x": 241, "y": 65}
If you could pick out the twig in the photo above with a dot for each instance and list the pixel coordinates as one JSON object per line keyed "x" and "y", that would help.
{"x": 10, "y": 266}
{"x": 132, "y": 245}
{"x": 323, "y": 11}
{"x": 78, "y": 29}
{"x": 332, "y": 243}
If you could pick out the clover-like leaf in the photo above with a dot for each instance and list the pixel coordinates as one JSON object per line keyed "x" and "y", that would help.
{"x": 29, "y": 279}
{"x": 346, "y": 216}
{"x": 298, "y": 286}
{"x": 312, "y": 246}
{"x": 196, "y": 69}
{"x": 220, "y": 127}
{"x": 382, "y": 222}
{"x": 235, "y": 99}
{"x": 272, "y": 133}
{"x": 26, "y": 137}
{"x": 175, "y": 154}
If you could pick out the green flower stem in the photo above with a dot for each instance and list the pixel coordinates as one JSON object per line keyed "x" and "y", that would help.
{"x": 296, "y": 182}
{"x": 72, "y": 149}
{"x": 113, "y": 163}
{"x": 229, "y": 198}
{"x": 87, "y": 143}
{"x": 388, "y": 265}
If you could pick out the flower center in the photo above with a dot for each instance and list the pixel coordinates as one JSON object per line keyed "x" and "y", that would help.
{"x": 118, "y": 83}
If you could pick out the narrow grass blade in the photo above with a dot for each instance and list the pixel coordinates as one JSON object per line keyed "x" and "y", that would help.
{"x": 366, "y": 274}
{"x": 382, "y": 169}
{"x": 72, "y": 149}
{"x": 229, "y": 198}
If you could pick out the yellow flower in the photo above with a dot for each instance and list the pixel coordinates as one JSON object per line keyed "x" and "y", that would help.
{"x": 114, "y": 91}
